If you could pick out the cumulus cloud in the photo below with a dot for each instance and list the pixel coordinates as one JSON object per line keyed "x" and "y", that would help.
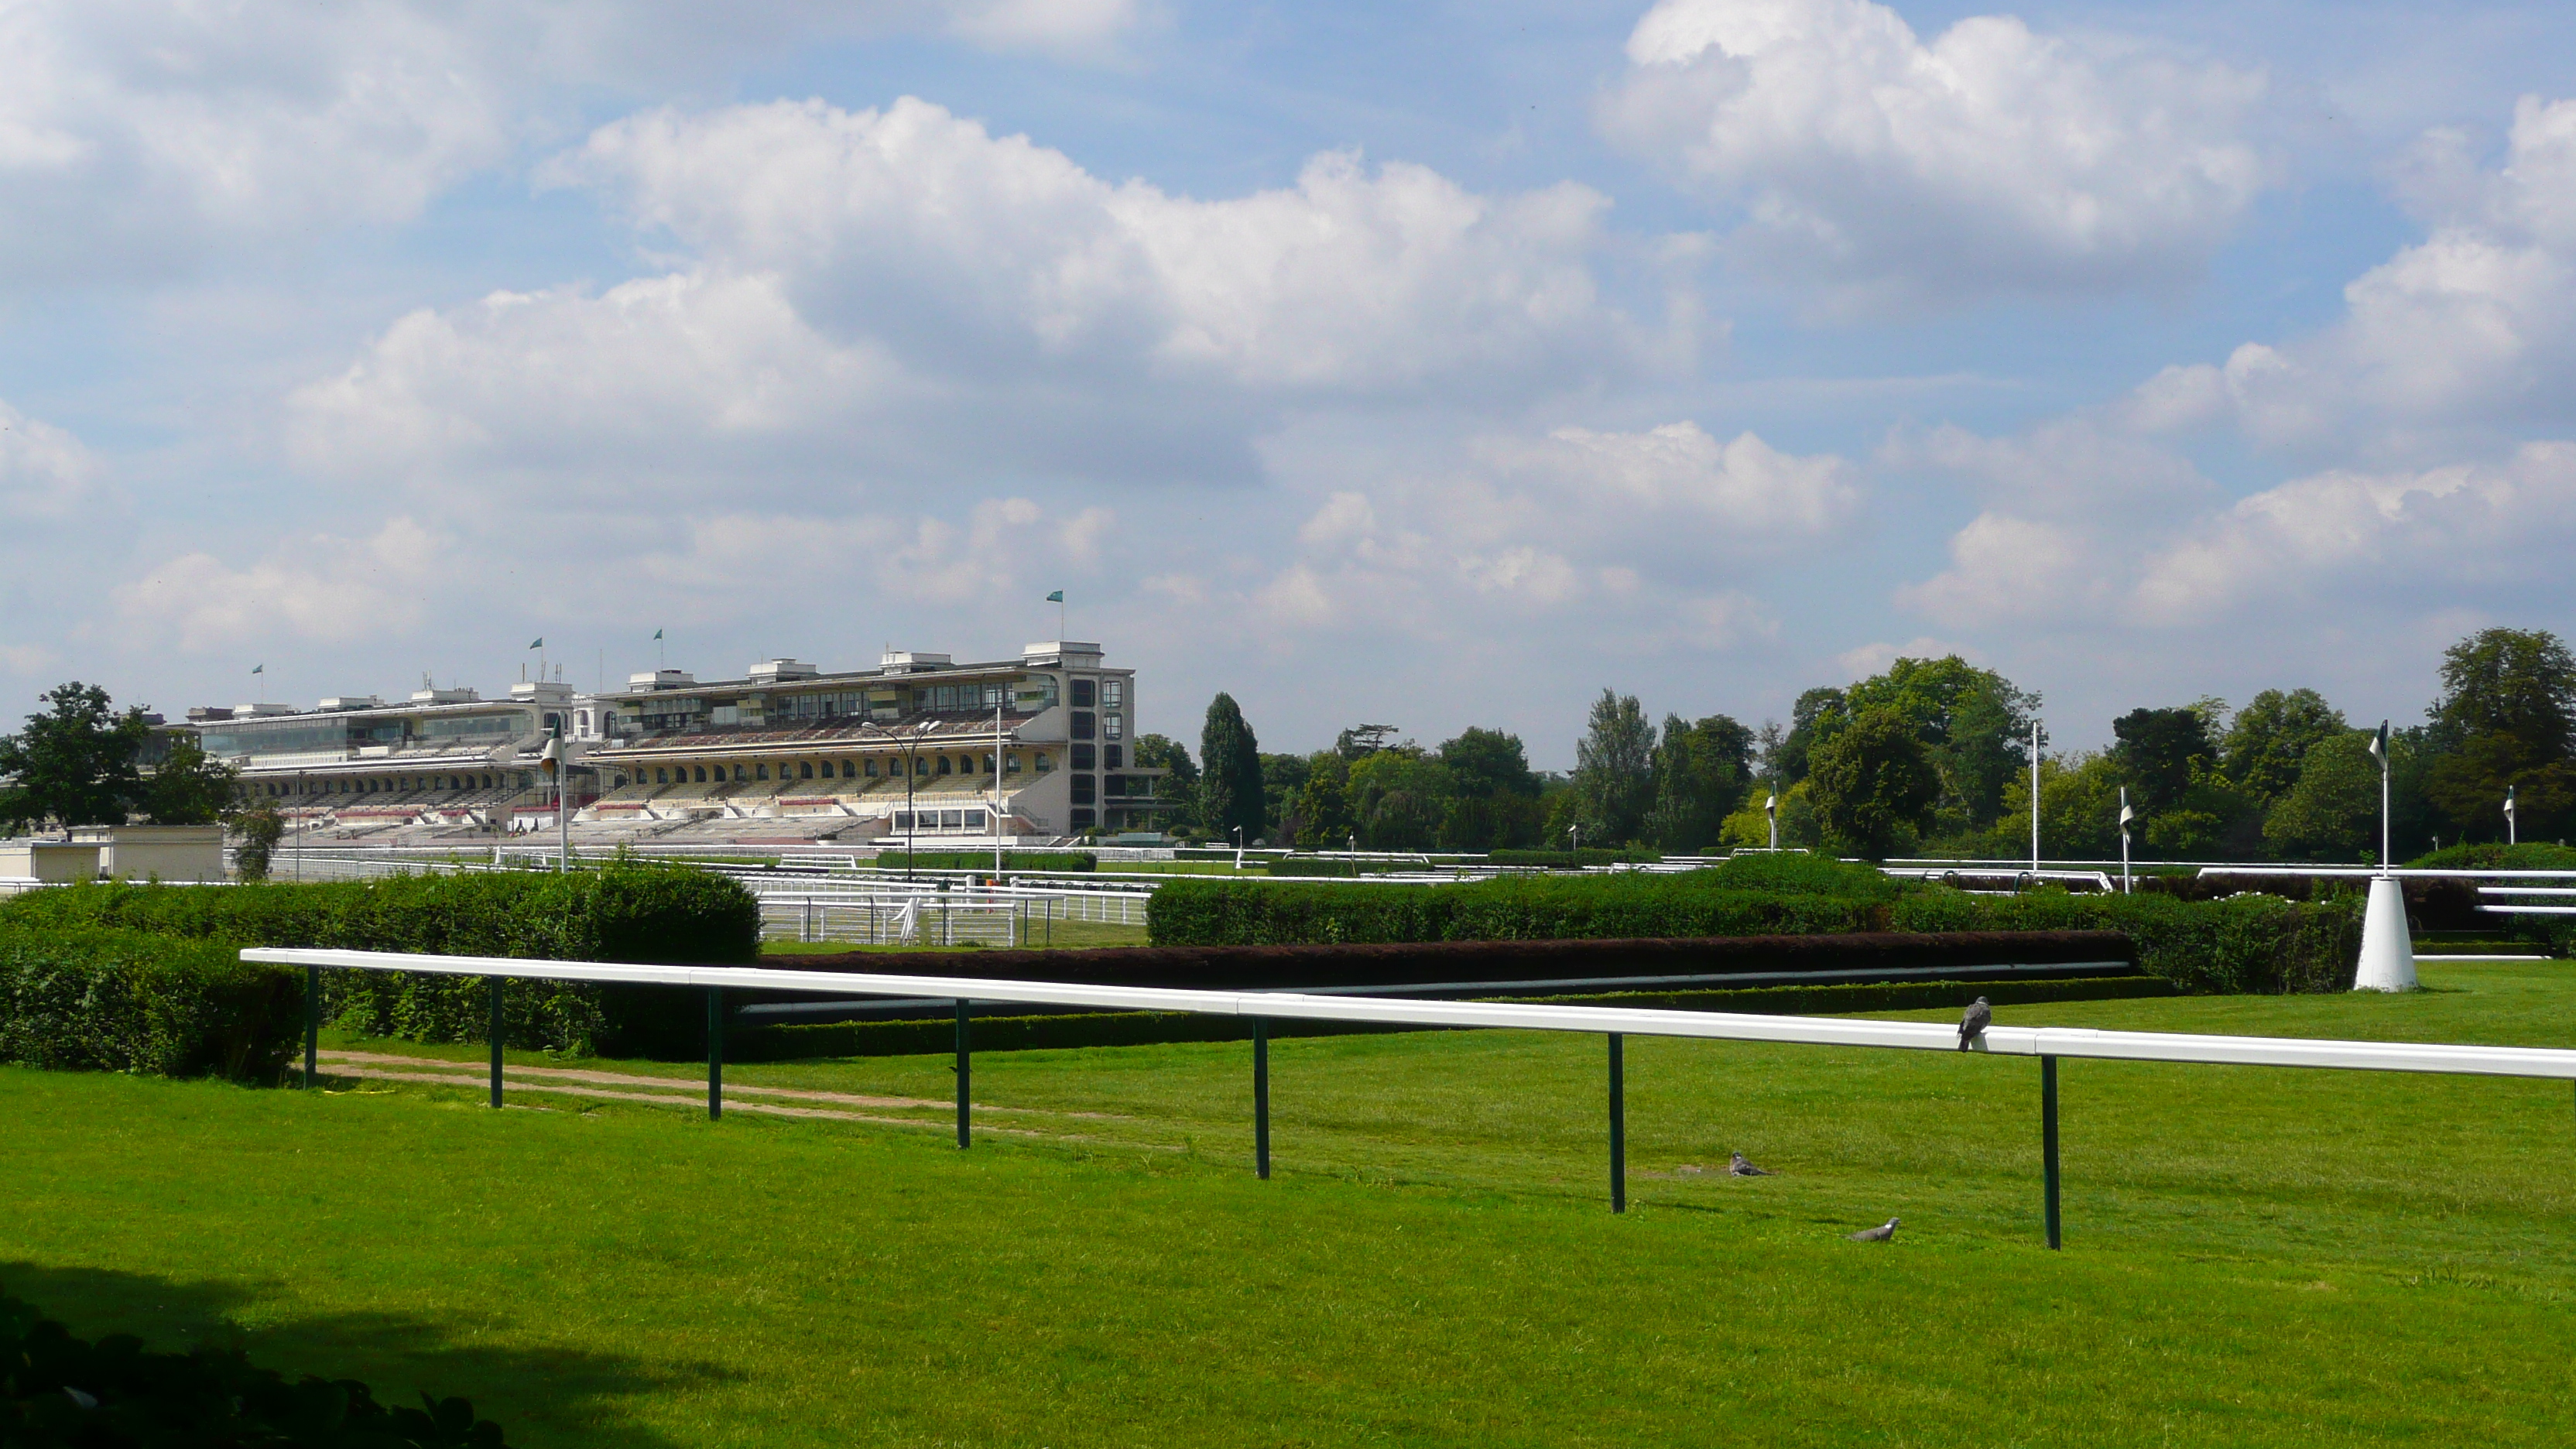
{"x": 905, "y": 293}
{"x": 45, "y": 473}
{"x": 1992, "y": 159}
{"x": 319, "y": 588}
{"x": 2467, "y": 332}
{"x": 137, "y": 134}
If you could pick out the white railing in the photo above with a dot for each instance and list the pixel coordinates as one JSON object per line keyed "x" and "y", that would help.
{"x": 2047, "y": 1043}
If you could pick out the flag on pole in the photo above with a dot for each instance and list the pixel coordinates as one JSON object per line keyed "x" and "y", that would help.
{"x": 538, "y": 643}
{"x": 2379, "y": 744}
{"x": 1771, "y": 804}
{"x": 260, "y": 668}
{"x": 657, "y": 633}
{"x": 1056, "y": 598}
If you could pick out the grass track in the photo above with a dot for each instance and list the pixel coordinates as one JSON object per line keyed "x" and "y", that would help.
{"x": 2254, "y": 1256}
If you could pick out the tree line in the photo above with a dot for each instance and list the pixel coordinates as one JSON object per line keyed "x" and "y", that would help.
{"x": 1931, "y": 757}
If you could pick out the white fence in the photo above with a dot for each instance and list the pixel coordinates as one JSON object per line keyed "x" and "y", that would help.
{"x": 2047, "y": 1043}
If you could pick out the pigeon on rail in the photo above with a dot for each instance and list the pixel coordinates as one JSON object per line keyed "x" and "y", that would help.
{"x": 1743, "y": 1167}
{"x": 1882, "y": 1233}
{"x": 1973, "y": 1025}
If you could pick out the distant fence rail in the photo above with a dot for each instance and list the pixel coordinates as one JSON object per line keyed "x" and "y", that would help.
{"x": 2048, "y": 1043}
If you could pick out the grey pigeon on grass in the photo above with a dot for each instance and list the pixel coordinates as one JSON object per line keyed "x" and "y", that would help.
{"x": 1742, "y": 1167}
{"x": 1880, "y": 1234}
{"x": 1974, "y": 1024}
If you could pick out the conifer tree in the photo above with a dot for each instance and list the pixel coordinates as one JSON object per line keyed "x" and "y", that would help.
{"x": 1230, "y": 773}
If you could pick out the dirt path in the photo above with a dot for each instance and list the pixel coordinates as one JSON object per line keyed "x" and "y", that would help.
{"x": 683, "y": 1092}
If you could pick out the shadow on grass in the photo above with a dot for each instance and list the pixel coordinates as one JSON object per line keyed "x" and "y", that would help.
{"x": 551, "y": 1395}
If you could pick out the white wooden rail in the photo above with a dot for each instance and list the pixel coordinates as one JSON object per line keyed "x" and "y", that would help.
{"x": 2048, "y": 1043}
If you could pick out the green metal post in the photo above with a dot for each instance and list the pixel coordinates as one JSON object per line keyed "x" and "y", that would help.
{"x": 312, "y": 1024}
{"x": 496, "y": 1043}
{"x": 965, "y": 1071}
{"x": 1261, "y": 1098}
{"x": 715, "y": 1052}
{"x": 1618, "y": 1123}
{"x": 2048, "y": 1140}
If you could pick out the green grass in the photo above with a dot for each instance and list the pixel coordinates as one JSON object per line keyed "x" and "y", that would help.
{"x": 2254, "y": 1256}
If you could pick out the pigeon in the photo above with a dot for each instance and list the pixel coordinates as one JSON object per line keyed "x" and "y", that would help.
{"x": 1741, "y": 1167}
{"x": 1971, "y": 1026}
{"x": 1880, "y": 1234}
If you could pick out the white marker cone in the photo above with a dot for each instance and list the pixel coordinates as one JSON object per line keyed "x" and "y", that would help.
{"x": 2387, "y": 952}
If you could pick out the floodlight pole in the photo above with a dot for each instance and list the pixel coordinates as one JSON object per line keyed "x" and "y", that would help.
{"x": 2034, "y": 800}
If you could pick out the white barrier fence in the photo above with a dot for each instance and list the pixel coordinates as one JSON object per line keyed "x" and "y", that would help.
{"x": 2047, "y": 1043}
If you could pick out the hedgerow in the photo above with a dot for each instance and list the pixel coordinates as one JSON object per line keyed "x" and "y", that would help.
{"x": 130, "y": 1001}
{"x": 1059, "y": 861}
{"x": 630, "y": 913}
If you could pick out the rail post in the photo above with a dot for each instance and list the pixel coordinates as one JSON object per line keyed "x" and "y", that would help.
{"x": 2048, "y": 1141}
{"x": 1618, "y": 1123}
{"x": 1261, "y": 1098}
{"x": 965, "y": 1071}
{"x": 312, "y": 1023}
{"x": 715, "y": 1052}
{"x": 496, "y": 1043}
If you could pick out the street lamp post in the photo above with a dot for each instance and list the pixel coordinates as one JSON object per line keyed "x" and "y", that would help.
{"x": 2034, "y": 800}
{"x": 910, "y": 743}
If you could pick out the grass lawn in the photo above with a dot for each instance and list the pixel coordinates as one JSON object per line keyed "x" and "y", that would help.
{"x": 2254, "y": 1256}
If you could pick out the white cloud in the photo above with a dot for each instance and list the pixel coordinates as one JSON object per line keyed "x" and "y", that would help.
{"x": 1991, "y": 160}
{"x": 137, "y": 134}
{"x": 45, "y": 473}
{"x": 900, "y": 293}
{"x": 1865, "y": 660}
{"x": 2005, "y": 569}
{"x": 318, "y": 588}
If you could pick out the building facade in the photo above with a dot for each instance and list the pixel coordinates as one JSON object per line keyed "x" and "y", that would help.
{"x": 1032, "y": 747}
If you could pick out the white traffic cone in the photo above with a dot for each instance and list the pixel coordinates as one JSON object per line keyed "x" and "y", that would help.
{"x": 2387, "y": 952}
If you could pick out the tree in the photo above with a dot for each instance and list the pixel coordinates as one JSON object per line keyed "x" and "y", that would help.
{"x": 2157, "y": 753}
{"x": 1873, "y": 783}
{"x": 1487, "y": 762}
{"x": 2268, "y": 744}
{"x": 1399, "y": 799}
{"x": 2331, "y": 812}
{"x": 1988, "y": 746}
{"x": 1700, "y": 775}
{"x": 2079, "y": 809}
{"x": 2506, "y": 718}
{"x": 75, "y": 763}
{"x": 260, "y": 828}
{"x": 1495, "y": 800}
{"x": 1614, "y": 770}
{"x": 1360, "y": 741}
{"x": 1230, "y": 794}
{"x": 190, "y": 787}
{"x": 1817, "y": 714}
{"x": 1282, "y": 776}
{"x": 1322, "y": 808}
{"x": 1160, "y": 752}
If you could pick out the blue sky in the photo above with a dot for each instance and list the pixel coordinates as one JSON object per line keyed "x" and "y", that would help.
{"x": 1438, "y": 366}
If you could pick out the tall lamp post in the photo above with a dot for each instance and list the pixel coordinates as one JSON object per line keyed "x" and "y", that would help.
{"x": 1771, "y": 807}
{"x": 2126, "y": 815}
{"x": 2034, "y": 800}
{"x": 910, "y": 743}
{"x": 2379, "y": 752}
{"x": 556, "y": 763}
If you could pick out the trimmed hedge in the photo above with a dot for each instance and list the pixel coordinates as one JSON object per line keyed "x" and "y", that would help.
{"x": 634, "y": 913}
{"x": 1060, "y": 861}
{"x": 2250, "y": 943}
{"x": 130, "y": 1001}
{"x": 1571, "y": 859}
{"x": 1153, "y": 1028}
{"x": 1308, "y": 865}
{"x": 59, "y": 1392}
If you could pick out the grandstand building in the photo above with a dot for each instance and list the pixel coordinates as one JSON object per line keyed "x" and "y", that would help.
{"x": 1029, "y": 749}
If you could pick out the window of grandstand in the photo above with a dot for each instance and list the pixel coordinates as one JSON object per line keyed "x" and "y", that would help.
{"x": 958, "y": 696}
{"x": 1084, "y": 725}
{"x": 943, "y": 764}
{"x": 974, "y": 819}
{"x": 760, "y": 772}
{"x": 988, "y": 764}
{"x": 872, "y": 769}
{"x": 1113, "y": 692}
{"x": 1010, "y": 764}
{"x": 1046, "y": 762}
{"x": 1084, "y": 819}
{"x": 1085, "y": 693}
{"x": 1113, "y": 785}
{"x": 1113, "y": 726}
{"x": 1084, "y": 788}
{"x": 1034, "y": 692}
{"x": 1083, "y": 757}
{"x": 435, "y": 728}
{"x": 805, "y": 770}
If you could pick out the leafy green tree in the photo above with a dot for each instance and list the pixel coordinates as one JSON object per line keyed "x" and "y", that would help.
{"x": 1489, "y": 762}
{"x": 190, "y": 787}
{"x": 1614, "y": 770}
{"x": 1362, "y": 740}
{"x": 74, "y": 764}
{"x": 1700, "y": 775}
{"x": 1161, "y": 752}
{"x": 260, "y": 827}
{"x": 2157, "y": 753}
{"x": 1495, "y": 800}
{"x": 1282, "y": 776}
{"x": 2268, "y": 743}
{"x": 1230, "y": 789}
{"x": 2331, "y": 811}
{"x": 1320, "y": 815}
{"x": 2507, "y": 717}
{"x": 1400, "y": 797}
{"x": 1975, "y": 722}
{"x": 1873, "y": 783}
{"x": 1816, "y": 714}
{"x": 1749, "y": 828}
{"x": 2079, "y": 810}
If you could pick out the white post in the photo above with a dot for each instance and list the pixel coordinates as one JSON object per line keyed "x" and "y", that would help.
{"x": 2511, "y": 836}
{"x": 2387, "y": 952}
{"x": 997, "y": 791}
{"x": 2034, "y": 800}
{"x": 1771, "y": 807}
{"x": 2125, "y": 887}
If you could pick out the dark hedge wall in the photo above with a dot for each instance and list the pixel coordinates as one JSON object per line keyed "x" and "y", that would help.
{"x": 130, "y": 1001}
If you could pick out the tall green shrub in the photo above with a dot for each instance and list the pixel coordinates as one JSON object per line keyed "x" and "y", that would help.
{"x": 130, "y": 1001}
